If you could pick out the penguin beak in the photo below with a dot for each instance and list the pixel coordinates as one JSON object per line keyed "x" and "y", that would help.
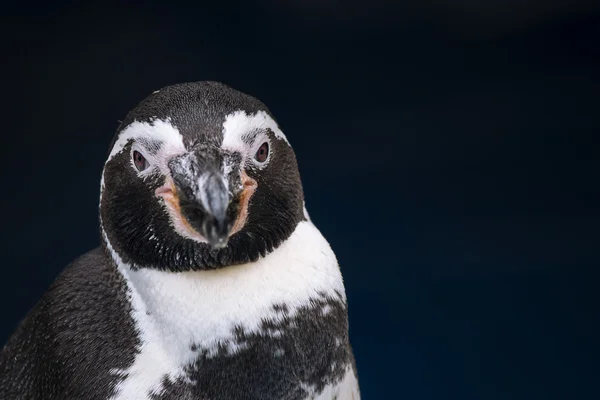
{"x": 213, "y": 197}
{"x": 209, "y": 204}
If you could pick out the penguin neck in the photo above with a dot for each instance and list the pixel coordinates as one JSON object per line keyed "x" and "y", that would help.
{"x": 204, "y": 308}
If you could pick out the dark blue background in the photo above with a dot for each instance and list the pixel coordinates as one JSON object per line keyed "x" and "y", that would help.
{"x": 449, "y": 153}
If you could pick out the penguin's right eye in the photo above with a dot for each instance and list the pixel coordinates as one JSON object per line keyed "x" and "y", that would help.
{"x": 140, "y": 161}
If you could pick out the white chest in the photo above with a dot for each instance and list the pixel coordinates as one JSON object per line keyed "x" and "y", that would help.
{"x": 175, "y": 311}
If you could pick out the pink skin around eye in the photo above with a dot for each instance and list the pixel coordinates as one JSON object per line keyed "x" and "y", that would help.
{"x": 262, "y": 153}
{"x": 165, "y": 189}
{"x": 139, "y": 161}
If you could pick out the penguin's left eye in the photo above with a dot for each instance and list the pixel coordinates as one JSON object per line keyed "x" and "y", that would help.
{"x": 140, "y": 161}
{"x": 262, "y": 153}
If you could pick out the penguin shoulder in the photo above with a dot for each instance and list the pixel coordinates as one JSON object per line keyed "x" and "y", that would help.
{"x": 77, "y": 332}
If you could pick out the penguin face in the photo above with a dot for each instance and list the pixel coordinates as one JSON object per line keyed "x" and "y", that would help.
{"x": 199, "y": 176}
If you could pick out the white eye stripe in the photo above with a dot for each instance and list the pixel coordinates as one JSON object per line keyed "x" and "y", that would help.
{"x": 251, "y": 136}
{"x": 151, "y": 133}
{"x": 150, "y": 146}
{"x": 238, "y": 124}
{"x": 245, "y": 134}
{"x": 157, "y": 141}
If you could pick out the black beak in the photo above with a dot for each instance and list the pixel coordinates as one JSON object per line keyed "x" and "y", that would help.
{"x": 206, "y": 194}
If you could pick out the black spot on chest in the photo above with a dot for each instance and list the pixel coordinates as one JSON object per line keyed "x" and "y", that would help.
{"x": 289, "y": 358}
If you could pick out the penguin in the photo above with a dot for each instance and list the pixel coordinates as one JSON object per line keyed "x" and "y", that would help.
{"x": 211, "y": 282}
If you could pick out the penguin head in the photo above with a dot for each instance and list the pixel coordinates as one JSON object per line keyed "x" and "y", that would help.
{"x": 199, "y": 176}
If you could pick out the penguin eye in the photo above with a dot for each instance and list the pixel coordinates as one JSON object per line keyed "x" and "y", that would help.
{"x": 262, "y": 153}
{"x": 140, "y": 161}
